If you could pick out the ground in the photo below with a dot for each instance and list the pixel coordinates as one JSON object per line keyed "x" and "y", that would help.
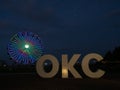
{"x": 26, "y": 81}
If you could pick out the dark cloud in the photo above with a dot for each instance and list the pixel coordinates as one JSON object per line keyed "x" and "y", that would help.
{"x": 7, "y": 25}
{"x": 67, "y": 24}
{"x": 114, "y": 13}
{"x": 113, "y": 18}
{"x": 28, "y": 9}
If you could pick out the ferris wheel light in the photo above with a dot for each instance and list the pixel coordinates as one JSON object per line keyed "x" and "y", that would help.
{"x": 27, "y": 46}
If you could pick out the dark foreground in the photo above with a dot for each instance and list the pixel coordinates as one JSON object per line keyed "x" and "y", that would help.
{"x": 33, "y": 82}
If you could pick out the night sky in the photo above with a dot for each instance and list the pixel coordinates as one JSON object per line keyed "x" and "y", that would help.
{"x": 84, "y": 25}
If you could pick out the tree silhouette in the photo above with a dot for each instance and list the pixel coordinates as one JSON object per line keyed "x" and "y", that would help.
{"x": 111, "y": 60}
{"x": 113, "y": 56}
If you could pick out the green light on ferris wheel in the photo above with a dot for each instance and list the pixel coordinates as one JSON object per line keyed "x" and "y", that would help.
{"x": 27, "y": 46}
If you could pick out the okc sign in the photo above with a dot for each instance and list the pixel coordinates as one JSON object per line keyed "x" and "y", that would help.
{"x": 68, "y": 65}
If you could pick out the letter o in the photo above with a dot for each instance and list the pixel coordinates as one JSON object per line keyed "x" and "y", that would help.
{"x": 40, "y": 68}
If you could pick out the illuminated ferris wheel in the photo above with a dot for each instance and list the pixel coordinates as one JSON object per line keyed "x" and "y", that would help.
{"x": 25, "y": 48}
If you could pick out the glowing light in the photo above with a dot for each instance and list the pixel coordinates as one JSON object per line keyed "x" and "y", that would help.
{"x": 64, "y": 72}
{"x": 27, "y": 46}
{"x": 45, "y": 64}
